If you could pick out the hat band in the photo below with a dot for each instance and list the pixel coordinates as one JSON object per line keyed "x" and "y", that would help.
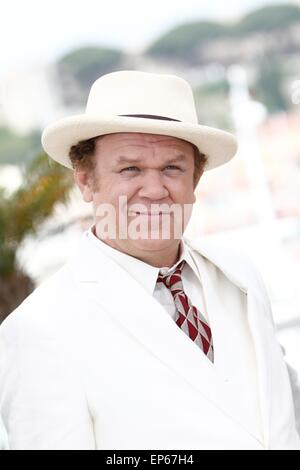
{"x": 150, "y": 116}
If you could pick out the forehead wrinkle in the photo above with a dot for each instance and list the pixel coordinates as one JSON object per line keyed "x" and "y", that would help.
{"x": 150, "y": 145}
{"x": 170, "y": 148}
{"x": 144, "y": 139}
{"x": 124, "y": 159}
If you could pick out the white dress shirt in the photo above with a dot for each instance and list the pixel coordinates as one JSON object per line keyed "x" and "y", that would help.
{"x": 147, "y": 275}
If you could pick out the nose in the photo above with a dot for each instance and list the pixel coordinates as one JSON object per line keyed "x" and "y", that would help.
{"x": 152, "y": 186}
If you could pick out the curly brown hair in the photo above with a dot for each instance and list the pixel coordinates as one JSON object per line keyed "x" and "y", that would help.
{"x": 81, "y": 157}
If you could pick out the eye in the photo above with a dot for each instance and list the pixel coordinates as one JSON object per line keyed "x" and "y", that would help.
{"x": 173, "y": 167}
{"x": 129, "y": 168}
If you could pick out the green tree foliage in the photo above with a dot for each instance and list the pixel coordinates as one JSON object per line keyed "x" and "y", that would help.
{"x": 15, "y": 148}
{"x": 21, "y": 214}
{"x": 268, "y": 88}
{"x": 89, "y": 63}
{"x": 182, "y": 41}
{"x": 268, "y": 18}
{"x": 212, "y": 104}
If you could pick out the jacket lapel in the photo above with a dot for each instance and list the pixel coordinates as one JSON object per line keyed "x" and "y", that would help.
{"x": 256, "y": 320}
{"x": 260, "y": 335}
{"x": 147, "y": 321}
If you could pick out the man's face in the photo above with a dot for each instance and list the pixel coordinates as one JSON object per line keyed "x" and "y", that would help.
{"x": 151, "y": 173}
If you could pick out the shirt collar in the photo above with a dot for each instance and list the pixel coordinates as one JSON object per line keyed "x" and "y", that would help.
{"x": 143, "y": 272}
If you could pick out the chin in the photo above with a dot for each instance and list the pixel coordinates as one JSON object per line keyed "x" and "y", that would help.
{"x": 153, "y": 244}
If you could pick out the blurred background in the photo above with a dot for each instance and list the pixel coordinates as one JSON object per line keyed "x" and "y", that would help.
{"x": 242, "y": 59}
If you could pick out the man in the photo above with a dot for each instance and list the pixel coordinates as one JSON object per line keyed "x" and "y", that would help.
{"x": 144, "y": 339}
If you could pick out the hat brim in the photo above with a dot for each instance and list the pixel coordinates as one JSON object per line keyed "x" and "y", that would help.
{"x": 219, "y": 146}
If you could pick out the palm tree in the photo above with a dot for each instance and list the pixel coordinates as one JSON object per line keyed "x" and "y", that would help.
{"x": 45, "y": 183}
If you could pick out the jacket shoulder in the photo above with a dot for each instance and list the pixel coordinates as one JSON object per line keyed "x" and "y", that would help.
{"x": 229, "y": 260}
{"x": 237, "y": 266}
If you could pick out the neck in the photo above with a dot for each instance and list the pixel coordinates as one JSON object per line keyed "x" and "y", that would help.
{"x": 161, "y": 257}
{"x": 158, "y": 258}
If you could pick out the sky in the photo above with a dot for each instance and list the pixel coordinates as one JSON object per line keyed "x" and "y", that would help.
{"x": 34, "y": 32}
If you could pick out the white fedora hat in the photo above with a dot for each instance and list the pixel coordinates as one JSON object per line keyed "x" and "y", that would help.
{"x": 135, "y": 101}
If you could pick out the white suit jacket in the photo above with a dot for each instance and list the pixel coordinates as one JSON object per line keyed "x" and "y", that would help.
{"x": 91, "y": 361}
{"x": 3, "y": 437}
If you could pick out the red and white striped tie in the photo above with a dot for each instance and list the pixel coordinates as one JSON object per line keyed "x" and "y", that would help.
{"x": 189, "y": 318}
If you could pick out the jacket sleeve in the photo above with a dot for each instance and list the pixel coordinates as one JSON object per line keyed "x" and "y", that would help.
{"x": 295, "y": 385}
{"x": 42, "y": 400}
{"x": 3, "y": 437}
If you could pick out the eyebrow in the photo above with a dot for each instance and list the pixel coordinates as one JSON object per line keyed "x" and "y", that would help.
{"x": 123, "y": 159}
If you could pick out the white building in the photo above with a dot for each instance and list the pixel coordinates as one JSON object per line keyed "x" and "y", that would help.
{"x": 30, "y": 98}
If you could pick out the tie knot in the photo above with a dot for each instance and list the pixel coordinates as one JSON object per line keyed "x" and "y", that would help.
{"x": 173, "y": 279}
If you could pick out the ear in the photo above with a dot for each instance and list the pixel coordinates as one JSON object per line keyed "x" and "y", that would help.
{"x": 84, "y": 183}
{"x": 198, "y": 179}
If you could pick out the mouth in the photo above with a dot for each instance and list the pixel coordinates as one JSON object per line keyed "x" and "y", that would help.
{"x": 148, "y": 214}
